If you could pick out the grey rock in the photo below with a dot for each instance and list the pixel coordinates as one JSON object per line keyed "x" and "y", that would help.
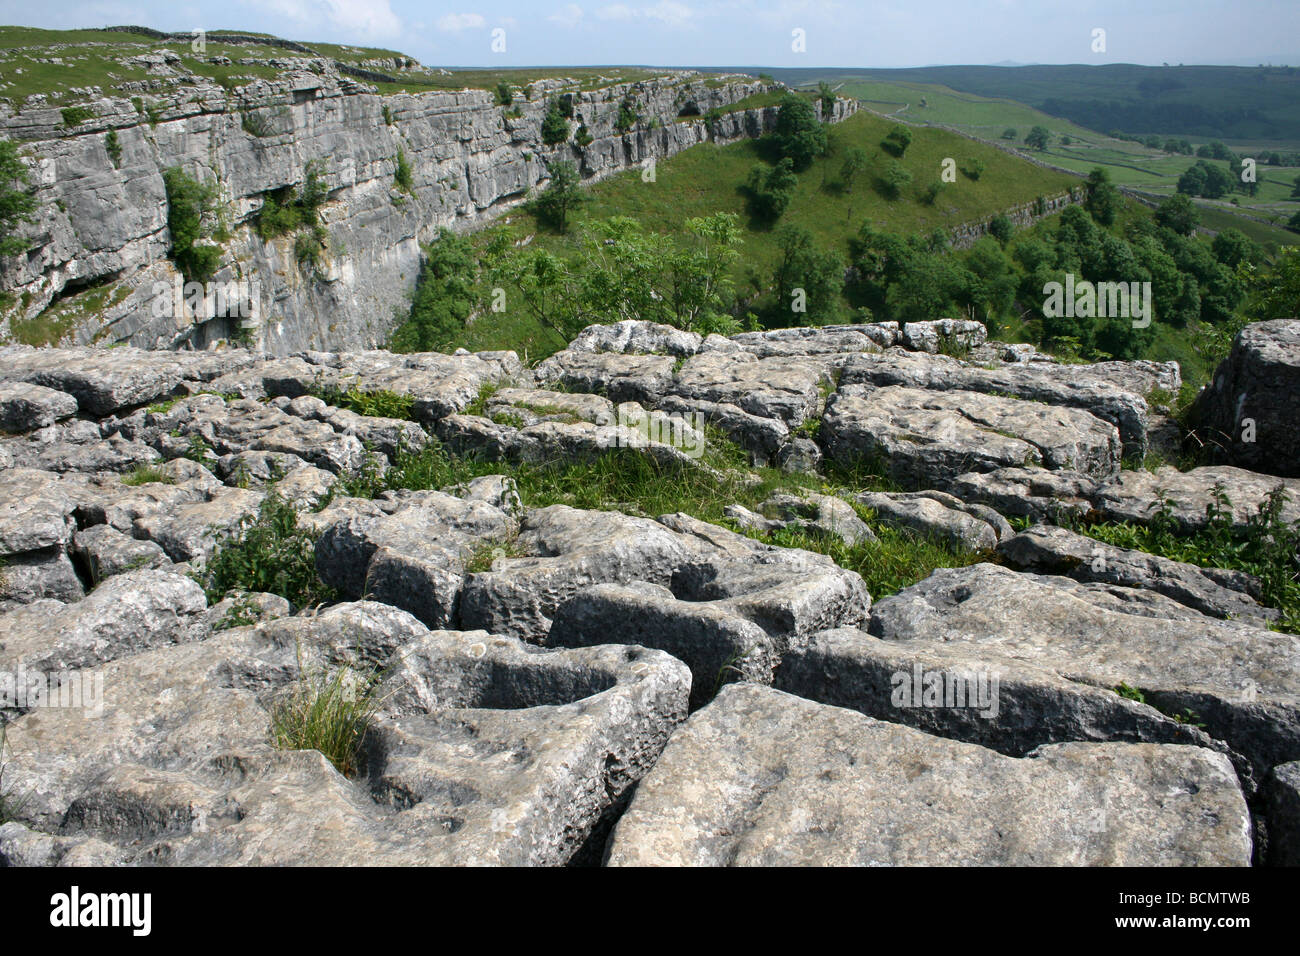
{"x": 104, "y": 552}
{"x": 800, "y": 456}
{"x": 1138, "y": 495}
{"x": 125, "y": 615}
{"x": 763, "y": 778}
{"x": 1216, "y": 592}
{"x": 1282, "y": 803}
{"x": 1258, "y": 381}
{"x": 34, "y": 575}
{"x": 25, "y": 407}
{"x": 926, "y": 439}
{"x": 193, "y": 531}
{"x": 1240, "y": 681}
{"x": 929, "y": 514}
{"x": 937, "y": 335}
{"x": 1028, "y": 492}
{"x": 819, "y": 515}
{"x": 634, "y": 336}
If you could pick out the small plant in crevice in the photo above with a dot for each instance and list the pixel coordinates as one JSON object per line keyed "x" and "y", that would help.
{"x": 402, "y": 177}
{"x": 113, "y": 147}
{"x": 329, "y": 713}
{"x": 190, "y": 208}
{"x": 268, "y": 551}
{"x": 243, "y": 612}
{"x": 147, "y": 474}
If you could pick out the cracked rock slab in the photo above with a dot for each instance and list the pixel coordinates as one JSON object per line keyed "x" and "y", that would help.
{"x": 762, "y": 778}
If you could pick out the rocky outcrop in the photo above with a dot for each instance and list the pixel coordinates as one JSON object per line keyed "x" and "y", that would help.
{"x": 102, "y": 219}
{"x": 527, "y": 665}
{"x": 1247, "y": 414}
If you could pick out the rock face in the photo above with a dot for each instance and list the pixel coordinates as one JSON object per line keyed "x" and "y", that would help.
{"x": 545, "y": 684}
{"x": 761, "y": 778}
{"x": 1248, "y": 412}
{"x": 103, "y": 220}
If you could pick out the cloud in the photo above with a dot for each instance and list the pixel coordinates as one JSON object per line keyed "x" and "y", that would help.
{"x": 668, "y": 12}
{"x": 570, "y": 15}
{"x": 455, "y": 22}
{"x": 359, "y": 18}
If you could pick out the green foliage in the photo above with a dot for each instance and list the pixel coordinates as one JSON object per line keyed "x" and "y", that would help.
{"x": 1207, "y": 180}
{"x": 855, "y": 161}
{"x": 562, "y": 195}
{"x": 504, "y": 95}
{"x": 444, "y": 298}
{"x": 819, "y": 274}
{"x": 973, "y": 169}
{"x": 328, "y": 713}
{"x": 267, "y": 552}
{"x": 1038, "y": 138}
{"x": 798, "y": 135}
{"x": 894, "y": 180}
{"x": 1011, "y": 133}
{"x": 242, "y": 612}
{"x": 1103, "y": 198}
{"x": 376, "y": 403}
{"x": 826, "y": 96}
{"x": 897, "y": 141}
{"x": 387, "y": 114}
{"x": 16, "y": 200}
{"x": 583, "y": 137}
{"x": 147, "y": 474}
{"x": 1266, "y": 547}
{"x": 771, "y": 189}
{"x": 1178, "y": 213}
{"x": 555, "y": 126}
{"x": 113, "y": 147}
{"x": 76, "y": 115}
{"x": 1001, "y": 228}
{"x": 627, "y": 118}
{"x": 189, "y": 202}
{"x": 402, "y": 174}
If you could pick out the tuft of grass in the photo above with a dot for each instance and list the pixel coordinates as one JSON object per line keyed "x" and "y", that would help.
{"x": 377, "y": 403}
{"x": 267, "y": 552}
{"x": 242, "y": 613}
{"x": 327, "y": 713}
{"x": 11, "y": 805}
{"x": 147, "y": 474}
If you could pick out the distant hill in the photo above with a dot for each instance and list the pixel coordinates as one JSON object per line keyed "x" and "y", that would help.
{"x": 1219, "y": 102}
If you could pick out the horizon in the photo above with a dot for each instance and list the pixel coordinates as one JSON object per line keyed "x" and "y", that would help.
{"x": 678, "y": 35}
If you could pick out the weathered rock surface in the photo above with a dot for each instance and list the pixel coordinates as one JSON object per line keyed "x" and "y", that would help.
{"x": 1282, "y": 793}
{"x": 1241, "y": 682}
{"x": 25, "y": 407}
{"x": 1247, "y": 413}
{"x": 1216, "y": 592}
{"x": 925, "y": 439}
{"x": 485, "y": 751}
{"x": 763, "y": 778}
{"x": 940, "y": 516}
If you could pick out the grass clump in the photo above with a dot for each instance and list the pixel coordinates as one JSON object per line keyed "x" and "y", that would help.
{"x": 76, "y": 115}
{"x": 147, "y": 474}
{"x": 329, "y": 713}
{"x": 268, "y": 552}
{"x": 10, "y": 804}
{"x": 375, "y": 403}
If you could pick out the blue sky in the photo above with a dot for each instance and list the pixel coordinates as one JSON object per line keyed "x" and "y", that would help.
{"x": 735, "y": 32}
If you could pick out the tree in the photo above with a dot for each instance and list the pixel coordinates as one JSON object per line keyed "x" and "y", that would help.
{"x": 895, "y": 179}
{"x": 827, "y": 97}
{"x": 188, "y": 202}
{"x": 16, "y": 200}
{"x": 771, "y": 189}
{"x": 1231, "y": 247}
{"x": 798, "y": 135}
{"x": 1192, "y": 181}
{"x": 1295, "y": 190}
{"x": 562, "y": 196}
{"x": 503, "y": 94}
{"x": 855, "y": 161}
{"x": 555, "y": 127}
{"x": 897, "y": 141}
{"x": 1103, "y": 197}
{"x": 1179, "y": 214}
{"x": 802, "y": 266}
{"x": 1038, "y": 137}
{"x": 1001, "y": 228}
{"x": 444, "y": 296}
{"x": 1010, "y": 133}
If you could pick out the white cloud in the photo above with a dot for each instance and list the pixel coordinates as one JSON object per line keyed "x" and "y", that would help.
{"x": 363, "y": 19}
{"x": 570, "y": 15}
{"x": 667, "y": 12}
{"x": 455, "y": 22}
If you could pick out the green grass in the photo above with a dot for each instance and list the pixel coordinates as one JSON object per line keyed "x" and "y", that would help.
{"x": 147, "y": 474}
{"x": 66, "y": 314}
{"x": 1266, "y": 547}
{"x": 378, "y": 403}
{"x": 327, "y": 713}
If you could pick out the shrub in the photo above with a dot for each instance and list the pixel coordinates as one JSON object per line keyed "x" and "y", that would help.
{"x": 895, "y": 180}
{"x": 377, "y": 403}
{"x": 16, "y": 200}
{"x": 76, "y": 115}
{"x": 113, "y": 148}
{"x": 256, "y": 124}
{"x": 583, "y": 137}
{"x": 896, "y": 143}
{"x": 973, "y": 169}
{"x": 147, "y": 474}
{"x": 770, "y": 190}
{"x": 555, "y": 128}
{"x": 402, "y": 173}
{"x": 504, "y": 95}
{"x": 188, "y": 202}
{"x": 627, "y": 116}
{"x": 267, "y": 552}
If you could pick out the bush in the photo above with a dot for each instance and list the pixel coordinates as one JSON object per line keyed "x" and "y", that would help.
{"x": 627, "y": 116}
{"x": 504, "y": 95}
{"x": 188, "y": 202}
{"x": 402, "y": 173}
{"x": 583, "y": 137}
{"x": 896, "y": 143}
{"x": 256, "y": 124}
{"x": 76, "y": 115}
{"x": 562, "y": 196}
{"x": 770, "y": 190}
{"x": 113, "y": 148}
{"x": 895, "y": 180}
{"x": 555, "y": 127}
{"x": 1001, "y": 228}
{"x": 799, "y": 136}
{"x": 267, "y": 552}
{"x": 16, "y": 200}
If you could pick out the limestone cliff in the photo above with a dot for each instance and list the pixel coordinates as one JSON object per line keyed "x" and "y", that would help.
{"x": 102, "y": 218}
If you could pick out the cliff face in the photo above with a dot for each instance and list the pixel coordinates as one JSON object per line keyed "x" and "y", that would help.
{"x": 102, "y": 218}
